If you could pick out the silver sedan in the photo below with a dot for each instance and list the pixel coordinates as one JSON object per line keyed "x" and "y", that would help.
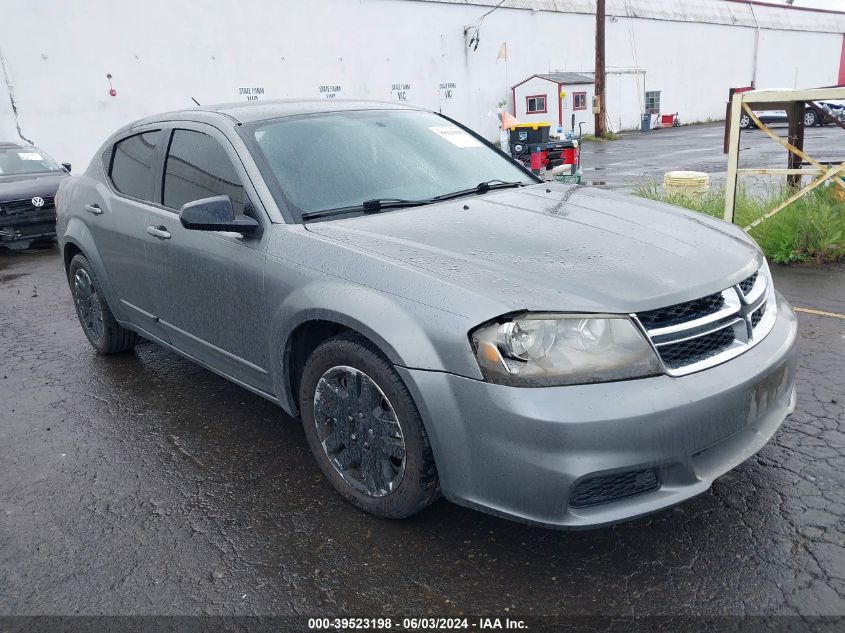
{"x": 440, "y": 320}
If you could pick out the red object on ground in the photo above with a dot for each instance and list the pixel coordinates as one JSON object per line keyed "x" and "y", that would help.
{"x": 570, "y": 156}
{"x": 667, "y": 120}
{"x": 536, "y": 160}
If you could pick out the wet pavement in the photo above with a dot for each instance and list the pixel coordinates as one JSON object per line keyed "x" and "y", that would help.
{"x": 636, "y": 158}
{"x": 143, "y": 484}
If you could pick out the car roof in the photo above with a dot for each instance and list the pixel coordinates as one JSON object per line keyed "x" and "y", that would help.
{"x": 8, "y": 144}
{"x": 250, "y": 112}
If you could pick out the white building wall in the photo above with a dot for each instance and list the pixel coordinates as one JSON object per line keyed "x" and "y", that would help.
{"x": 584, "y": 116}
{"x": 625, "y": 95}
{"x": 540, "y": 86}
{"x": 786, "y": 59}
{"x": 536, "y": 86}
{"x": 163, "y": 52}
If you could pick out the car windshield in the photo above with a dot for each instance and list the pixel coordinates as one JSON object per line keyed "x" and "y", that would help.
{"x": 25, "y": 160}
{"x": 343, "y": 159}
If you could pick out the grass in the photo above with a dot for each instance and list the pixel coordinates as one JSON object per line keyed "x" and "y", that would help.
{"x": 610, "y": 136}
{"x": 811, "y": 229}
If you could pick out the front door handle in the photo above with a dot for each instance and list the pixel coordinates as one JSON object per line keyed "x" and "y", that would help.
{"x": 159, "y": 231}
{"x": 93, "y": 208}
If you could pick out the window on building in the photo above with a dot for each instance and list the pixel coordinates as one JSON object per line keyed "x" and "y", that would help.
{"x": 652, "y": 102}
{"x": 198, "y": 167}
{"x": 132, "y": 162}
{"x": 535, "y": 104}
{"x": 579, "y": 100}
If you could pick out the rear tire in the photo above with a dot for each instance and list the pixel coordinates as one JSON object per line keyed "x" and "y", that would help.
{"x": 810, "y": 118}
{"x": 364, "y": 429}
{"x": 745, "y": 121}
{"x": 104, "y": 333}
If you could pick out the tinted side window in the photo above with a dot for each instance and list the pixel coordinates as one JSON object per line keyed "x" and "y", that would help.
{"x": 132, "y": 165}
{"x": 198, "y": 167}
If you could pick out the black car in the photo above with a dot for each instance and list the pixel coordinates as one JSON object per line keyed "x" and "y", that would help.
{"x": 28, "y": 183}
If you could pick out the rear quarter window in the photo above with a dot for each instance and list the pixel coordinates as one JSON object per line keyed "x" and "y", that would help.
{"x": 132, "y": 164}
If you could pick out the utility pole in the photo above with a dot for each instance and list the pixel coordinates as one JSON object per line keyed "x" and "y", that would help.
{"x": 599, "y": 108}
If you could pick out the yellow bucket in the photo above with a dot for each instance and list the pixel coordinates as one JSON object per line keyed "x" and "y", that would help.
{"x": 687, "y": 183}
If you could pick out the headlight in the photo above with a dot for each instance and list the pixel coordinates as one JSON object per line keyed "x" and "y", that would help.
{"x": 534, "y": 350}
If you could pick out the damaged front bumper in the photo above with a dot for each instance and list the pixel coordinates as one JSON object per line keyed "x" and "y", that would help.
{"x": 590, "y": 455}
{"x": 21, "y": 230}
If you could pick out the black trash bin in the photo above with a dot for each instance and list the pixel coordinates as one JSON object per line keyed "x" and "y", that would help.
{"x": 525, "y": 136}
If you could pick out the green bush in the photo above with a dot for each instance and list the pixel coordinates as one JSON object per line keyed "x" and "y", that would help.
{"x": 810, "y": 229}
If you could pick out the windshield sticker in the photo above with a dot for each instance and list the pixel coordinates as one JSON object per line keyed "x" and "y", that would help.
{"x": 30, "y": 156}
{"x": 455, "y": 136}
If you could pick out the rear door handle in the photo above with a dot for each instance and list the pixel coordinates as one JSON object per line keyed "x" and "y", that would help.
{"x": 93, "y": 208}
{"x": 159, "y": 231}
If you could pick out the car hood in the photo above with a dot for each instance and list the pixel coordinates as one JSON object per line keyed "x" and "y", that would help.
{"x": 20, "y": 186}
{"x": 556, "y": 247}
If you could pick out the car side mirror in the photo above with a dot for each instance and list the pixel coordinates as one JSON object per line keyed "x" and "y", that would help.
{"x": 66, "y": 166}
{"x": 216, "y": 214}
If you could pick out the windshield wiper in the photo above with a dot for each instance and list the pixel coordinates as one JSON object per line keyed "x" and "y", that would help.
{"x": 367, "y": 206}
{"x": 380, "y": 204}
{"x": 482, "y": 187}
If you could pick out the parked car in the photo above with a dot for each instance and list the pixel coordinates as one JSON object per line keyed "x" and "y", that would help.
{"x": 811, "y": 117}
{"x": 29, "y": 179}
{"x": 439, "y": 319}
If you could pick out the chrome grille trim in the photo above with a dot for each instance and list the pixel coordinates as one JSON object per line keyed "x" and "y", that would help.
{"x": 747, "y": 314}
{"x": 729, "y": 311}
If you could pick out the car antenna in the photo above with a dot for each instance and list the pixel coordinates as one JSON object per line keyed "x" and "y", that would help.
{"x": 195, "y": 101}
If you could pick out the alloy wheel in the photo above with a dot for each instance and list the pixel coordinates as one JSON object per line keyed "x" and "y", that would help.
{"x": 88, "y": 304}
{"x": 359, "y": 431}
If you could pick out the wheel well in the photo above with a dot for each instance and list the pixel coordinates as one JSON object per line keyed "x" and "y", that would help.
{"x": 304, "y": 340}
{"x": 71, "y": 251}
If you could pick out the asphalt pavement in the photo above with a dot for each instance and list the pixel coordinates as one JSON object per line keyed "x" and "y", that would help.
{"x": 636, "y": 158}
{"x": 143, "y": 484}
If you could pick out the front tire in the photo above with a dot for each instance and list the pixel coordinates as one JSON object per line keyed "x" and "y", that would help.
{"x": 745, "y": 121}
{"x": 104, "y": 333}
{"x": 364, "y": 429}
{"x": 810, "y": 118}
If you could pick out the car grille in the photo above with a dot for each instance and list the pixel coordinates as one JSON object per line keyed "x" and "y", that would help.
{"x": 681, "y": 312}
{"x": 16, "y": 207}
{"x": 747, "y": 284}
{"x": 608, "y": 488}
{"x": 757, "y": 316}
{"x": 704, "y": 332}
{"x": 697, "y": 349}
